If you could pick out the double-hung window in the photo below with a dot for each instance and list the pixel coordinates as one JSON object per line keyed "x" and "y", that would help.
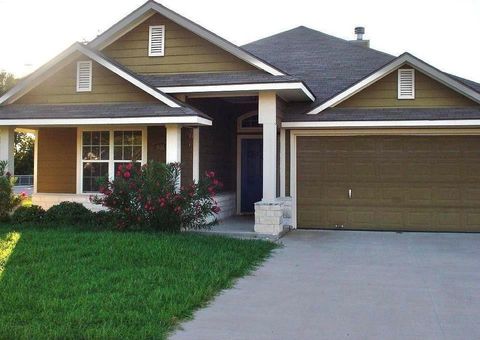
{"x": 103, "y": 151}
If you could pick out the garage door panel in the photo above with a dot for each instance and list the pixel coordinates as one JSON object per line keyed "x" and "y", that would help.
{"x": 397, "y": 182}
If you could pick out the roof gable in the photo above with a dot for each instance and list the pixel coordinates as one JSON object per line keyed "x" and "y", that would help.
{"x": 378, "y": 74}
{"x": 68, "y": 56}
{"x": 151, "y": 7}
{"x": 184, "y": 51}
{"x": 428, "y": 93}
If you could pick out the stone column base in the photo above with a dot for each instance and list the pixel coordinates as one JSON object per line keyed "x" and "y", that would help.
{"x": 269, "y": 217}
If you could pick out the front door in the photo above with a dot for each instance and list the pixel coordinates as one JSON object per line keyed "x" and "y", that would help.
{"x": 252, "y": 172}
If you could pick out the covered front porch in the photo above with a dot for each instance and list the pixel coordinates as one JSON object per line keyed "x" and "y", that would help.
{"x": 243, "y": 144}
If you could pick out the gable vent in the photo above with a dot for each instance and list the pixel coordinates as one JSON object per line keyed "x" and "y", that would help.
{"x": 84, "y": 76}
{"x": 406, "y": 83}
{"x": 156, "y": 41}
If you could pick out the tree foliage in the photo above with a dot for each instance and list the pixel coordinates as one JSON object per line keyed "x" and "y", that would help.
{"x": 7, "y": 81}
{"x": 24, "y": 151}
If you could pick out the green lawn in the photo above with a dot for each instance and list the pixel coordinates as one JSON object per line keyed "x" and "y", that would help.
{"x": 66, "y": 283}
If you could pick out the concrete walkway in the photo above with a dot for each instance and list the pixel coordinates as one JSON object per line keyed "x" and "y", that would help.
{"x": 353, "y": 285}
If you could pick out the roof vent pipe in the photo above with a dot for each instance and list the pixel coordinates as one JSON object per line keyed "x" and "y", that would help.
{"x": 359, "y": 31}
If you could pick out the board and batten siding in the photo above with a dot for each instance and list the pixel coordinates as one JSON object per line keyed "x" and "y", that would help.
{"x": 185, "y": 52}
{"x": 428, "y": 93}
{"x": 107, "y": 87}
{"x": 57, "y": 160}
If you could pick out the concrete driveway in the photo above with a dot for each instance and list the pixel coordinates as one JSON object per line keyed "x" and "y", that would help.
{"x": 353, "y": 285}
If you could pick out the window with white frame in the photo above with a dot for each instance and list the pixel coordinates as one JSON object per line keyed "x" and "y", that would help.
{"x": 84, "y": 76}
{"x": 103, "y": 151}
{"x": 406, "y": 83}
{"x": 156, "y": 41}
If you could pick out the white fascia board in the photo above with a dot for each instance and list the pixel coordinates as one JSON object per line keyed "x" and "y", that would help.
{"x": 406, "y": 58}
{"x": 239, "y": 87}
{"x": 137, "y": 16}
{"x": 383, "y": 124}
{"x": 151, "y": 91}
{"x": 107, "y": 121}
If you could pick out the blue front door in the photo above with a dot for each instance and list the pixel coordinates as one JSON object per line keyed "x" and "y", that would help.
{"x": 252, "y": 172}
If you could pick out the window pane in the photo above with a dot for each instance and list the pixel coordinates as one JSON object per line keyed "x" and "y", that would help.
{"x": 87, "y": 138}
{"x": 118, "y": 137}
{"x": 128, "y": 138}
{"x": 95, "y": 138}
{"x": 86, "y": 152}
{"x": 137, "y": 153}
{"x": 117, "y": 152}
{"x": 104, "y": 152}
{"x": 95, "y": 153}
{"x": 137, "y": 138}
{"x": 127, "y": 152}
{"x": 105, "y": 138}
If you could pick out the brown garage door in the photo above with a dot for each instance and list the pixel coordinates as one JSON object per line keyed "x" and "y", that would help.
{"x": 396, "y": 183}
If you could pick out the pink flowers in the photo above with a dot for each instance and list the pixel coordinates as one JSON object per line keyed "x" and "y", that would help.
{"x": 216, "y": 209}
{"x": 126, "y": 174}
{"x": 210, "y": 174}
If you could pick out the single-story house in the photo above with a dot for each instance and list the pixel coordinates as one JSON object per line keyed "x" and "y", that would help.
{"x": 303, "y": 128}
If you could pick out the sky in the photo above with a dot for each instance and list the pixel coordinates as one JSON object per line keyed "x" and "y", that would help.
{"x": 444, "y": 33}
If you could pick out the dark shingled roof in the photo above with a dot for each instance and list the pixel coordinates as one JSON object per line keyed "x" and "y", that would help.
{"x": 197, "y": 79}
{"x": 327, "y": 64}
{"x": 120, "y": 110}
{"x": 359, "y": 114}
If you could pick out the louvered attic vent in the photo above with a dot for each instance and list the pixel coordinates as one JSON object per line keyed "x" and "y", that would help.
{"x": 84, "y": 76}
{"x": 156, "y": 41}
{"x": 406, "y": 83}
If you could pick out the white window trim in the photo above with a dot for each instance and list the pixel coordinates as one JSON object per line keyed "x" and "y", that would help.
{"x": 89, "y": 89}
{"x": 111, "y": 160}
{"x": 150, "y": 53}
{"x": 399, "y": 71}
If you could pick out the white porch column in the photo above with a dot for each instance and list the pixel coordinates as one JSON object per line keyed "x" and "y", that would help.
{"x": 7, "y": 145}
{"x": 174, "y": 143}
{"x": 196, "y": 154}
{"x": 267, "y": 116}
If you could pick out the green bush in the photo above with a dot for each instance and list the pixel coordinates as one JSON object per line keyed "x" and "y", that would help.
{"x": 103, "y": 219}
{"x": 24, "y": 214}
{"x": 68, "y": 213}
{"x": 149, "y": 197}
{"x": 8, "y": 201}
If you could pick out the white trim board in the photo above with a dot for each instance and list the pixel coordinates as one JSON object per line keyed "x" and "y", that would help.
{"x": 405, "y": 58}
{"x": 383, "y": 124}
{"x": 41, "y": 74}
{"x": 239, "y": 87}
{"x": 195, "y": 120}
{"x": 148, "y": 9}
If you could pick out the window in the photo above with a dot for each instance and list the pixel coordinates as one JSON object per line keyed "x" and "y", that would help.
{"x": 156, "y": 41}
{"x": 406, "y": 83}
{"x": 103, "y": 151}
{"x": 84, "y": 76}
{"x": 248, "y": 122}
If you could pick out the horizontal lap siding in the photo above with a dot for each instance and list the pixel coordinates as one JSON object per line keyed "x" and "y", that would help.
{"x": 61, "y": 88}
{"x": 404, "y": 183}
{"x": 185, "y": 52}
{"x": 56, "y": 164}
{"x": 428, "y": 93}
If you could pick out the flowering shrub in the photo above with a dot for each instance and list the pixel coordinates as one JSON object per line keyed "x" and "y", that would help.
{"x": 8, "y": 201}
{"x": 149, "y": 197}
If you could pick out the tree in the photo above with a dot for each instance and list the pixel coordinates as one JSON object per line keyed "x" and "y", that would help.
{"x": 24, "y": 150}
{"x": 7, "y": 80}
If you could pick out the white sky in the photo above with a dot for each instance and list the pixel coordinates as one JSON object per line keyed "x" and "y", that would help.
{"x": 445, "y": 33}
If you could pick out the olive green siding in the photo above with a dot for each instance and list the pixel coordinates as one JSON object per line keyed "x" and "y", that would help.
{"x": 185, "y": 52}
{"x": 397, "y": 182}
{"x": 61, "y": 88}
{"x": 428, "y": 93}
{"x": 57, "y": 159}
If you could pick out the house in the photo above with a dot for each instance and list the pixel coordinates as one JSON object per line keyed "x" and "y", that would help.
{"x": 303, "y": 128}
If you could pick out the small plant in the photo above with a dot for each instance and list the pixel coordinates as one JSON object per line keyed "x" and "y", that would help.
{"x": 149, "y": 197}
{"x": 68, "y": 213}
{"x": 24, "y": 214}
{"x": 8, "y": 201}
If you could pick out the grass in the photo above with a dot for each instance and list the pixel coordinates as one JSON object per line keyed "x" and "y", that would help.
{"x": 67, "y": 283}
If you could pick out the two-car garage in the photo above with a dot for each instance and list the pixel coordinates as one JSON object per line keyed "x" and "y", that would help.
{"x": 422, "y": 183}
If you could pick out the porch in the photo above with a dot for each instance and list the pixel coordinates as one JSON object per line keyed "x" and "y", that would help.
{"x": 240, "y": 146}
